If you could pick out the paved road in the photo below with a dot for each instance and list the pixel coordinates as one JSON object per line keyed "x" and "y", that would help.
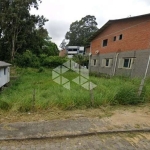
{"x": 137, "y": 141}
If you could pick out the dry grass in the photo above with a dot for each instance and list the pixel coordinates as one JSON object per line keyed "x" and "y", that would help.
{"x": 52, "y": 114}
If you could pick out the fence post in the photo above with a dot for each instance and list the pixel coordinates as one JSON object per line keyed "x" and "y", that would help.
{"x": 91, "y": 94}
{"x": 33, "y": 100}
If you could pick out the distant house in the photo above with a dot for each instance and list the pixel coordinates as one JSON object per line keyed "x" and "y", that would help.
{"x": 72, "y": 50}
{"x": 122, "y": 47}
{"x": 4, "y": 73}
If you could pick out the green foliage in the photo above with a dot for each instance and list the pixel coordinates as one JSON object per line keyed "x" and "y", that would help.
{"x": 53, "y": 61}
{"x": 50, "y": 49}
{"x": 41, "y": 44}
{"x": 4, "y": 105}
{"x": 19, "y": 30}
{"x": 81, "y": 31}
{"x": 41, "y": 69}
{"x": 49, "y": 94}
{"x": 27, "y": 59}
{"x": 127, "y": 95}
{"x": 63, "y": 44}
{"x": 81, "y": 59}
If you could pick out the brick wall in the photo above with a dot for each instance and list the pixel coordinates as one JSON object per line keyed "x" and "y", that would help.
{"x": 135, "y": 36}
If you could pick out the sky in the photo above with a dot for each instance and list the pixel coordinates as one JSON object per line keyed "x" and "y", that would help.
{"x": 61, "y": 13}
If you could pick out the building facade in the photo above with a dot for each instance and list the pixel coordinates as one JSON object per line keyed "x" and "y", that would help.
{"x": 87, "y": 50}
{"x": 73, "y": 50}
{"x": 122, "y": 47}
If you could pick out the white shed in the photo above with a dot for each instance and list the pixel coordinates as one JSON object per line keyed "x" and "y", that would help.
{"x": 4, "y": 73}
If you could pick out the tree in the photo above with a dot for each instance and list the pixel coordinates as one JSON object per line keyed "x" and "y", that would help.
{"x": 63, "y": 44}
{"x": 50, "y": 49}
{"x": 81, "y": 31}
{"x": 35, "y": 41}
{"x": 16, "y": 25}
{"x": 81, "y": 60}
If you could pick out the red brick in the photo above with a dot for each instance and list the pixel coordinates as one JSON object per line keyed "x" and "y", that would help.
{"x": 135, "y": 31}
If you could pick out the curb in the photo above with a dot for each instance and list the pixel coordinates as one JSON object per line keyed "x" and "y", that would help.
{"x": 75, "y": 135}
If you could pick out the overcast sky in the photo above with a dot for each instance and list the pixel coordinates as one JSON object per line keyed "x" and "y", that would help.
{"x": 61, "y": 13}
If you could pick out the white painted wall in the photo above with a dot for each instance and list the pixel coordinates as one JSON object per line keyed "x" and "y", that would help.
{"x": 72, "y": 52}
{"x": 81, "y": 48}
{"x": 4, "y": 76}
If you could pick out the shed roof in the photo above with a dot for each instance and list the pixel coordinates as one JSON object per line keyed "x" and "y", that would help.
{"x": 112, "y": 21}
{"x": 4, "y": 64}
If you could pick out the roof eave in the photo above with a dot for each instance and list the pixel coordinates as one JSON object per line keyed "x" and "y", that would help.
{"x": 100, "y": 30}
{"x": 110, "y": 22}
{"x": 4, "y": 64}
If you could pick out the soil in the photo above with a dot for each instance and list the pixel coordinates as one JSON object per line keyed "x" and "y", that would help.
{"x": 119, "y": 115}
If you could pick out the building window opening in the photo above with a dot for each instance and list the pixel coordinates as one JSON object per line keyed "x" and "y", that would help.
{"x": 4, "y": 71}
{"x": 120, "y": 37}
{"x": 105, "y": 42}
{"x": 94, "y": 62}
{"x": 114, "y": 38}
{"x": 127, "y": 63}
{"x": 107, "y": 62}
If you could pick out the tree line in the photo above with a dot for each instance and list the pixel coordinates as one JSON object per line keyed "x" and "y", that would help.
{"x": 21, "y": 31}
{"x": 23, "y": 37}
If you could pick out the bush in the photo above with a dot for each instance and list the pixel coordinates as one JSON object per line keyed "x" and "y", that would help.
{"x": 53, "y": 61}
{"x": 41, "y": 69}
{"x": 27, "y": 59}
{"x": 4, "y": 105}
{"x": 42, "y": 57}
{"x": 127, "y": 95}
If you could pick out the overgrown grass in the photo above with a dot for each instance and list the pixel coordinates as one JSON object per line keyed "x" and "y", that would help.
{"x": 48, "y": 94}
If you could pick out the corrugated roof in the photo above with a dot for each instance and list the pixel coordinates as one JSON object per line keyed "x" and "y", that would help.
{"x": 4, "y": 64}
{"x": 110, "y": 22}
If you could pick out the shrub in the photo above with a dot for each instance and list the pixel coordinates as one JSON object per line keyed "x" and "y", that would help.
{"x": 4, "y": 105}
{"x": 41, "y": 69}
{"x": 42, "y": 57}
{"x": 27, "y": 59}
{"x": 53, "y": 61}
{"x": 127, "y": 95}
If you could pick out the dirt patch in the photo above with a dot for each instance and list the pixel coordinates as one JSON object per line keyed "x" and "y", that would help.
{"x": 10, "y": 117}
{"x": 118, "y": 115}
{"x": 135, "y": 116}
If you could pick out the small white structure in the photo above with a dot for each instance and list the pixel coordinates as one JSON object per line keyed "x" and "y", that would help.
{"x": 4, "y": 73}
{"x": 72, "y": 50}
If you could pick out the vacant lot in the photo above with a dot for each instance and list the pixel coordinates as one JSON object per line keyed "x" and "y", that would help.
{"x": 35, "y": 90}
